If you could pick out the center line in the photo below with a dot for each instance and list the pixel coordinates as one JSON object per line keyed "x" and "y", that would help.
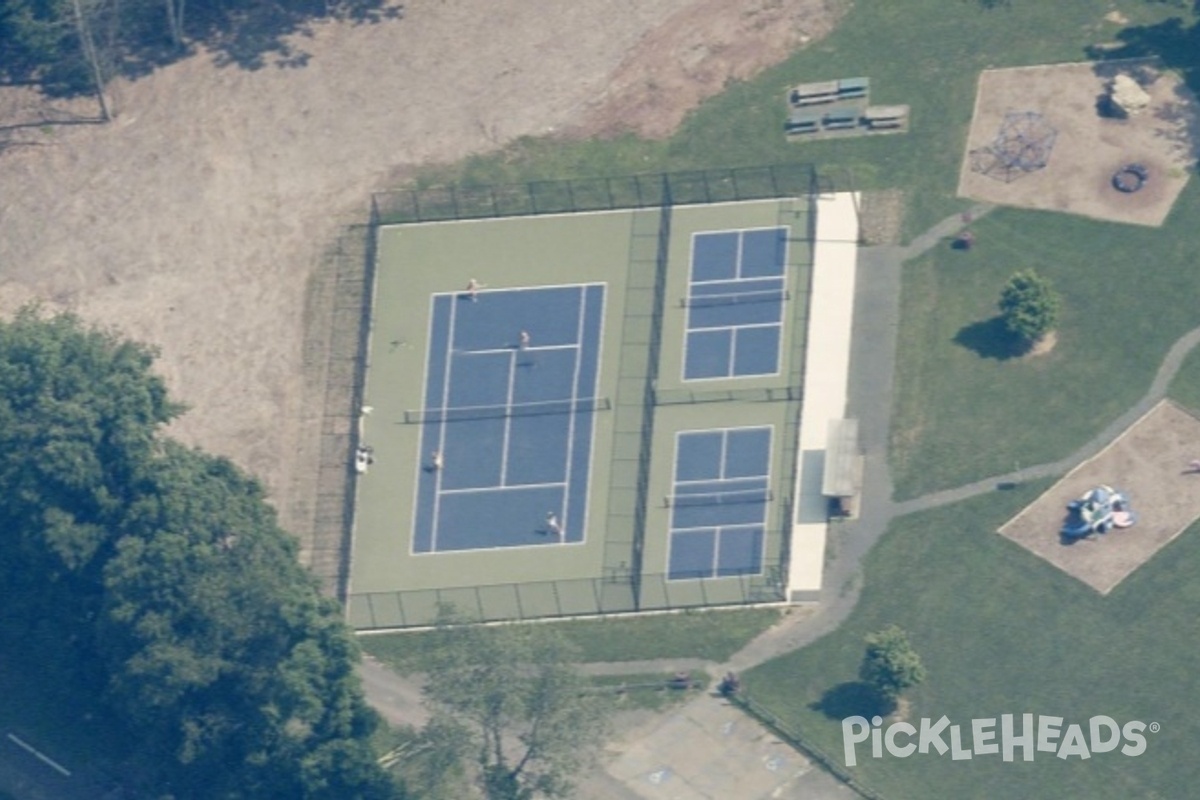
{"x": 512, "y": 382}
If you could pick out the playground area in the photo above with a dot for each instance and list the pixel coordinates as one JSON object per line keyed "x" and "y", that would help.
{"x": 1150, "y": 464}
{"x": 1075, "y": 148}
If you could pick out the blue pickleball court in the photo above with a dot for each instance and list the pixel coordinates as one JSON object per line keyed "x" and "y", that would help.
{"x": 737, "y": 286}
{"x": 506, "y": 431}
{"x": 719, "y": 502}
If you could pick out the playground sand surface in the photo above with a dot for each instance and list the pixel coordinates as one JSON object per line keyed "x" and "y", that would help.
{"x": 1148, "y": 463}
{"x": 1089, "y": 148}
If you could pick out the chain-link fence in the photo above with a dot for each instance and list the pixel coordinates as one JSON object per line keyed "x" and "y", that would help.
{"x": 623, "y": 587}
{"x": 593, "y": 194}
{"x": 617, "y": 592}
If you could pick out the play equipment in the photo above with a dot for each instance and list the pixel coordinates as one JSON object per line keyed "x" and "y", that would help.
{"x": 1130, "y": 178}
{"x": 1126, "y": 97}
{"x": 1097, "y": 511}
{"x": 1023, "y": 145}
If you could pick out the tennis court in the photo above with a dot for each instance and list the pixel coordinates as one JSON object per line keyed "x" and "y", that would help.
{"x": 506, "y": 431}
{"x": 540, "y": 443}
{"x": 719, "y": 502}
{"x": 736, "y": 289}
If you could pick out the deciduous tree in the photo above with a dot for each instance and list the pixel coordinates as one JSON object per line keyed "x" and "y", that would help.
{"x": 530, "y": 718}
{"x": 169, "y": 581}
{"x": 890, "y": 665}
{"x": 1029, "y": 306}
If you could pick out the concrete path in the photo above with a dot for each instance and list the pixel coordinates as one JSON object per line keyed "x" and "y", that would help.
{"x": 397, "y": 698}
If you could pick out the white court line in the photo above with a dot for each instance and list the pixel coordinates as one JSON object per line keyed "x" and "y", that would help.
{"x": 781, "y": 277}
{"x": 738, "y": 327}
{"x": 437, "y": 481}
{"x": 45, "y": 759}
{"x": 731, "y": 375}
{"x": 724, "y": 454}
{"x": 512, "y": 385}
{"x": 733, "y": 334}
{"x": 723, "y": 480}
{"x": 741, "y": 249}
{"x": 734, "y": 526}
{"x": 512, "y": 349}
{"x": 566, "y": 503}
{"x": 716, "y": 549}
{"x": 507, "y": 548}
{"x": 733, "y": 328}
{"x": 454, "y": 298}
{"x": 672, "y": 530}
{"x": 594, "y": 420}
{"x": 512, "y": 488}
{"x": 500, "y": 289}
{"x": 718, "y": 529}
{"x": 736, "y": 281}
{"x": 421, "y": 466}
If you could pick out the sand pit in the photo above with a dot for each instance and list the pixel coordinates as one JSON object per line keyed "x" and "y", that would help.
{"x": 1148, "y": 463}
{"x": 1089, "y": 147}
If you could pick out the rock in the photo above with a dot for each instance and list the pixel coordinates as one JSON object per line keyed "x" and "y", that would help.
{"x": 1127, "y": 96}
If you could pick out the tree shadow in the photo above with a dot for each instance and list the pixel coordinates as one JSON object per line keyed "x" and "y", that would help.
{"x": 853, "y": 698}
{"x": 1177, "y": 45}
{"x": 991, "y": 338}
{"x": 253, "y": 35}
{"x": 248, "y": 34}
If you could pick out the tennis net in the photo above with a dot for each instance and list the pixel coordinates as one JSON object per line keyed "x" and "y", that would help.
{"x": 459, "y": 413}
{"x": 717, "y": 498}
{"x": 735, "y": 299}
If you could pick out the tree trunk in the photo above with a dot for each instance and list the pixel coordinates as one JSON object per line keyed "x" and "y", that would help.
{"x": 89, "y": 52}
{"x": 175, "y": 10}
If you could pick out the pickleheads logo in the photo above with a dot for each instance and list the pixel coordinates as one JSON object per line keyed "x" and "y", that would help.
{"x": 1003, "y": 736}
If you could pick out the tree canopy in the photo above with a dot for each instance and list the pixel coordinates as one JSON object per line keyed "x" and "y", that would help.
{"x": 48, "y": 41}
{"x": 890, "y": 665}
{"x": 1029, "y": 306}
{"x": 168, "y": 579}
{"x": 515, "y": 705}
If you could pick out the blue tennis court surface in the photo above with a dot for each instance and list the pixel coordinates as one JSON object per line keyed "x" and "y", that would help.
{"x": 506, "y": 433}
{"x": 736, "y": 290}
{"x": 719, "y": 502}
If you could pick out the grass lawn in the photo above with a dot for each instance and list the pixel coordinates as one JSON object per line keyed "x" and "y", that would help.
{"x": 1000, "y": 632}
{"x": 713, "y": 635}
{"x": 1185, "y": 388}
{"x": 926, "y": 53}
{"x": 964, "y": 410}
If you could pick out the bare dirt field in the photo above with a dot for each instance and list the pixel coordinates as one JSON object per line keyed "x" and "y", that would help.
{"x": 1089, "y": 148}
{"x": 196, "y": 220}
{"x": 1149, "y": 464}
